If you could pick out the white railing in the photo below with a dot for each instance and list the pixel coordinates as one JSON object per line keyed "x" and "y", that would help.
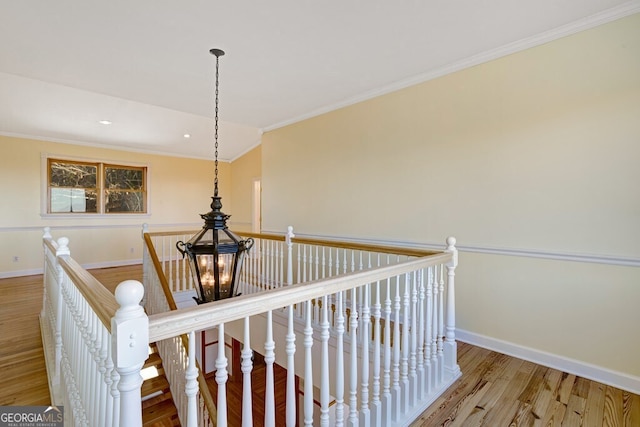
{"x": 178, "y": 361}
{"x": 376, "y": 326}
{"x": 95, "y": 343}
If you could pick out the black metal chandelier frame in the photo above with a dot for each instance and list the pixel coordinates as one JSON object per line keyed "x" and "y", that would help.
{"x": 215, "y": 254}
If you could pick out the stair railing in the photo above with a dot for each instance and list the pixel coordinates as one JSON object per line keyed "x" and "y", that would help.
{"x": 95, "y": 343}
{"x": 384, "y": 318}
{"x": 177, "y": 353}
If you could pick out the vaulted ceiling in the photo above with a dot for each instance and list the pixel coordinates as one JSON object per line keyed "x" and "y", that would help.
{"x": 145, "y": 65}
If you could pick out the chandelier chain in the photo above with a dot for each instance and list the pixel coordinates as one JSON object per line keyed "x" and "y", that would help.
{"x": 216, "y": 132}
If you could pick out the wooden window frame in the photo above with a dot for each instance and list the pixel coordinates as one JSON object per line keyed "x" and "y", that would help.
{"x": 100, "y": 189}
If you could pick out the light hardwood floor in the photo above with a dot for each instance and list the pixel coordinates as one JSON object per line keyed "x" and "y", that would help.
{"x": 494, "y": 390}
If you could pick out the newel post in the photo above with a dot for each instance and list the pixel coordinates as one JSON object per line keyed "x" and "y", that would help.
{"x": 290, "y": 348}
{"x": 130, "y": 335}
{"x": 289, "y": 242}
{"x": 450, "y": 345}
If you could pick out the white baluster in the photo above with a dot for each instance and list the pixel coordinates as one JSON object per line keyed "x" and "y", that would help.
{"x": 269, "y": 359}
{"x": 353, "y": 389}
{"x": 324, "y": 364}
{"x": 247, "y": 366}
{"x": 191, "y": 387}
{"x": 413, "y": 383}
{"x": 365, "y": 412}
{"x": 441, "y": 326}
{"x": 376, "y": 403}
{"x": 404, "y": 360}
{"x": 116, "y": 394}
{"x": 339, "y": 361}
{"x": 221, "y": 378}
{"x": 386, "y": 373}
{"x": 308, "y": 363}
{"x": 130, "y": 328}
{"x": 292, "y": 395}
{"x": 94, "y": 367}
{"x": 109, "y": 386}
{"x": 421, "y": 335}
{"x": 397, "y": 392}
{"x": 434, "y": 330}
{"x": 100, "y": 395}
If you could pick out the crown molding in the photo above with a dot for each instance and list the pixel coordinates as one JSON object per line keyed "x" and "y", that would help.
{"x": 609, "y": 15}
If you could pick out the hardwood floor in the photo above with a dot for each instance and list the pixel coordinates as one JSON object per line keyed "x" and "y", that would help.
{"x": 499, "y": 390}
{"x": 22, "y": 369}
{"x": 494, "y": 390}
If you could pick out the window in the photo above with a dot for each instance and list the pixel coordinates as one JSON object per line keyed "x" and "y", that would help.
{"x": 99, "y": 188}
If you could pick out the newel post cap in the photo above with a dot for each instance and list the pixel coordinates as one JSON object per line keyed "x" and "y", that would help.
{"x": 451, "y": 247}
{"x": 130, "y": 326}
{"x": 63, "y": 247}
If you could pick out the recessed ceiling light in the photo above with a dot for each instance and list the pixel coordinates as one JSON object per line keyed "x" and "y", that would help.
{"x": 105, "y": 122}
{"x": 187, "y": 135}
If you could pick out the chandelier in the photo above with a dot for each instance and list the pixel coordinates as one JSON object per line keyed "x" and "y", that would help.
{"x": 215, "y": 253}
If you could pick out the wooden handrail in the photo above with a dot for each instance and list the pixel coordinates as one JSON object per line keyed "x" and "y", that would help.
{"x": 158, "y": 267}
{"x": 51, "y": 244}
{"x": 101, "y": 300}
{"x": 202, "y": 382}
{"x": 368, "y": 247}
{"x": 171, "y": 324}
{"x": 396, "y": 250}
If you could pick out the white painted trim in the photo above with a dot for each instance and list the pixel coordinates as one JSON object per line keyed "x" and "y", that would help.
{"x": 36, "y": 271}
{"x": 620, "y": 11}
{"x": 558, "y": 256}
{"x": 20, "y": 273}
{"x": 527, "y": 253}
{"x": 108, "y": 264}
{"x": 616, "y": 379}
{"x": 191, "y": 225}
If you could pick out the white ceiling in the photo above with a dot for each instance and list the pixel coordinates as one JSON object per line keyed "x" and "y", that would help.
{"x": 145, "y": 65}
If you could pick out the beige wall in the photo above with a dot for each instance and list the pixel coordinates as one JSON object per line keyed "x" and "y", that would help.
{"x": 244, "y": 172}
{"x": 537, "y": 151}
{"x": 180, "y": 190}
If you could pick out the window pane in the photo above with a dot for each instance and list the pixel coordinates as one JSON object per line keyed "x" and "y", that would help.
{"x": 74, "y": 175}
{"x": 124, "y": 201}
{"x": 124, "y": 178}
{"x": 67, "y": 200}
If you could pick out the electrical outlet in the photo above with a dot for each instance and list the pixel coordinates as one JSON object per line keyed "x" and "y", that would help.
{"x": 16, "y": 258}
{"x": 131, "y": 250}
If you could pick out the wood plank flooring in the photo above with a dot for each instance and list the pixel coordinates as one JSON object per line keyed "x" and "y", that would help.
{"x": 494, "y": 390}
{"x": 499, "y": 390}
{"x": 23, "y": 376}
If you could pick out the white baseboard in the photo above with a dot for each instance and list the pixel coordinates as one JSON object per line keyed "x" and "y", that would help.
{"x": 576, "y": 367}
{"x": 20, "y": 273}
{"x": 35, "y": 271}
{"x": 108, "y": 264}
